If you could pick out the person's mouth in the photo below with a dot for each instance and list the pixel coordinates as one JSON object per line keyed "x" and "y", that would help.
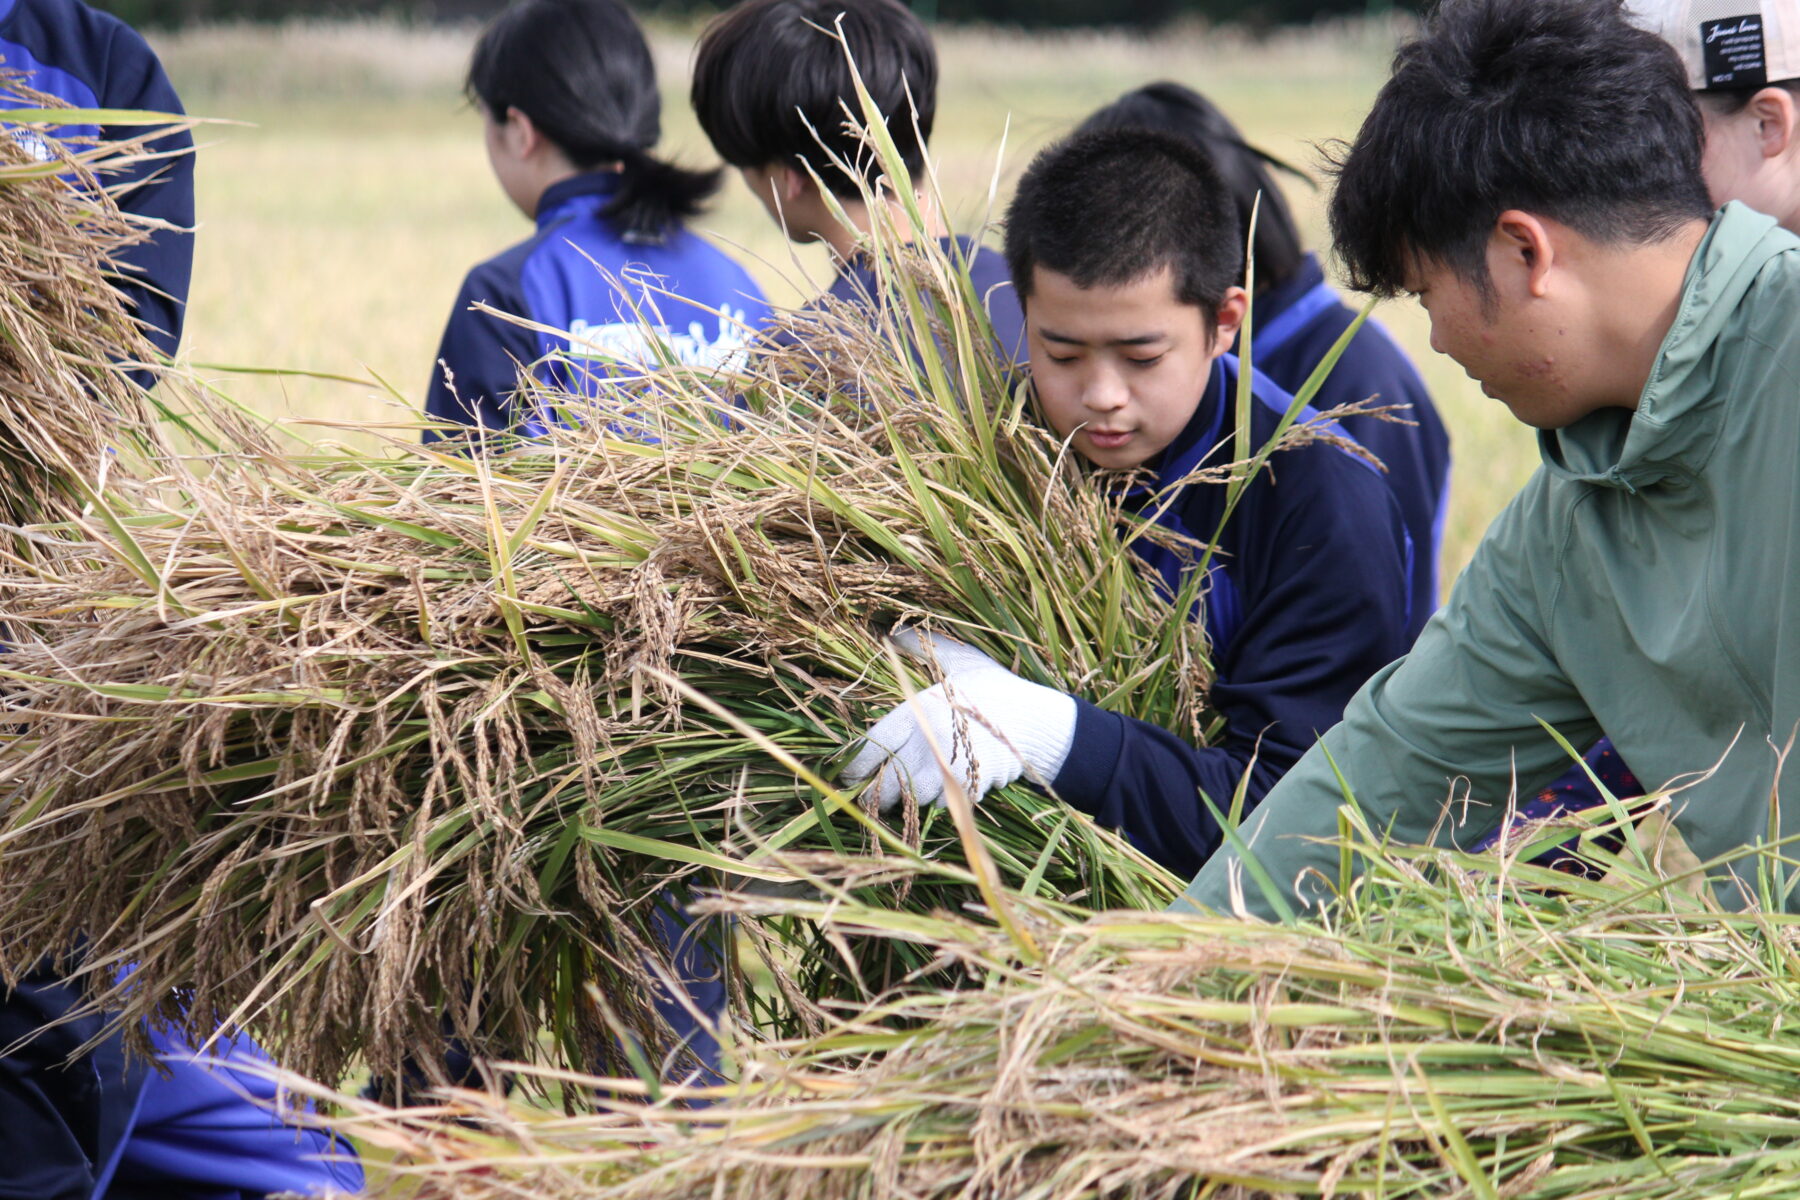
{"x": 1107, "y": 439}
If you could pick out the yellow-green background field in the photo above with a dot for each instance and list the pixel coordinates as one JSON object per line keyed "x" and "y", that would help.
{"x": 336, "y": 225}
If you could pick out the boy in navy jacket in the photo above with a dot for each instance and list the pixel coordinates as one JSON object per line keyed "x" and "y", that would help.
{"x": 1298, "y": 317}
{"x": 772, "y": 83}
{"x": 93, "y": 60}
{"x": 1124, "y": 250}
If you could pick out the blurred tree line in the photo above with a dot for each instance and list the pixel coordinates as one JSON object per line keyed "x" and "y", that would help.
{"x": 165, "y": 14}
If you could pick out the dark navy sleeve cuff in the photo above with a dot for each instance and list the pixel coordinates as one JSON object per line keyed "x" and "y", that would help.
{"x": 1087, "y": 774}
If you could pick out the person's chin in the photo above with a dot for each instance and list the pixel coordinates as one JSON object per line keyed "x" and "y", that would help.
{"x": 1536, "y": 412}
{"x": 1122, "y": 459}
{"x": 1523, "y": 408}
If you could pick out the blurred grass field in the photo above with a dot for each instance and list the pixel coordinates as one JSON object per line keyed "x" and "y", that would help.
{"x": 337, "y": 223}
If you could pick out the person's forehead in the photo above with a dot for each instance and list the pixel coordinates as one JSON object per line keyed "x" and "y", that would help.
{"x": 1149, "y": 297}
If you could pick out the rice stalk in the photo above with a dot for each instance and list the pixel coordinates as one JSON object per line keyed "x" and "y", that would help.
{"x": 1453, "y": 1026}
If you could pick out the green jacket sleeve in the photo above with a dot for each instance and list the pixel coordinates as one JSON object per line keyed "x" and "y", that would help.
{"x": 1432, "y": 744}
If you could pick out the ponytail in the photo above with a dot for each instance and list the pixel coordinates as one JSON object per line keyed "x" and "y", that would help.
{"x": 581, "y": 70}
{"x": 656, "y": 197}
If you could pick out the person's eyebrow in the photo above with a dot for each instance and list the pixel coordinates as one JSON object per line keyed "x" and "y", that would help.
{"x": 1063, "y": 339}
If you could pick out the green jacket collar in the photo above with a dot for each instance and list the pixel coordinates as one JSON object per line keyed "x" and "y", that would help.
{"x": 1673, "y": 430}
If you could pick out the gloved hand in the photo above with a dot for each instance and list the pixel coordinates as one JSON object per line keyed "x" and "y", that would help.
{"x": 991, "y": 725}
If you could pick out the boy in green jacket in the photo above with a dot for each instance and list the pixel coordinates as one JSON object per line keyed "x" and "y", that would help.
{"x": 1532, "y": 172}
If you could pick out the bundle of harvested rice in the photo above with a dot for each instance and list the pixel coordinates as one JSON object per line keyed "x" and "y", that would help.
{"x": 360, "y": 751}
{"x": 353, "y": 750}
{"x": 1447, "y": 1031}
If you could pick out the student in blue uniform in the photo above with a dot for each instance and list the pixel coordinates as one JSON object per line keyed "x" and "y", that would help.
{"x": 771, "y": 86}
{"x": 1297, "y": 318}
{"x": 1125, "y": 250}
{"x": 93, "y": 60}
{"x": 567, "y": 93}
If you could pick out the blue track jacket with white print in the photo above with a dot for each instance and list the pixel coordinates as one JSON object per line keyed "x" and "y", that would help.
{"x": 606, "y": 304}
{"x": 1307, "y": 597}
{"x": 93, "y": 60}
{"x": 1295, "y": 324}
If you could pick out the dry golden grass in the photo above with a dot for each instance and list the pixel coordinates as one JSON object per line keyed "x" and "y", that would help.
{"x": 1458, "y": 1027}
{"x": 64, "y": 412}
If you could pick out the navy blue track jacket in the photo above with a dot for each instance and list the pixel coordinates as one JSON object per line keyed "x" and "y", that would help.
{"x": 1294, "y": 326}
{"x": 93, "y": 60}
{"x": 62, "y": 1115}
{"x": 98, "y": 1125}
{"x": 1308, "y": 596}
{"x": 856, "y": 284}
{"x": 609, "y": 306}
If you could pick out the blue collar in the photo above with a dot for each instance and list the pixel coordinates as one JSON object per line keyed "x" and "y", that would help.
{"x": 1289, "y": 307}
{"x": 6, "y": 7}
{"x": 575, "y": 191}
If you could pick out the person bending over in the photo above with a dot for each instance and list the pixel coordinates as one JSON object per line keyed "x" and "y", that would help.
{"x": 1297, "y": 317}
{"x": 87, "y": 1124}
{"x": 1124, "y": 248}
{"x": 1570, "y": 259}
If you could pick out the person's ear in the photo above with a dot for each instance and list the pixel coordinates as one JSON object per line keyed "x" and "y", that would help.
{"x": 1774, "y": 112}
{"x": 1231, "y": 312}
{"x": 522, "y": 134}
{"x": 1522, "y": 250}
{"x": 792, "y": 184}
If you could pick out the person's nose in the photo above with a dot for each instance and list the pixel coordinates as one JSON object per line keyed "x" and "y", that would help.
{"x": 1105, "y": 392}
{"x": 1437, "y": 343}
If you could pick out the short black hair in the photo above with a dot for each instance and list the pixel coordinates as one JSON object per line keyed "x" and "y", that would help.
{"x": 581, "y": 70}
{"x": 1118, "y": 205}
{"x": 1180, "y": 111}
{"x": 772, "y": 84}
{"x": 1561, "y": 108}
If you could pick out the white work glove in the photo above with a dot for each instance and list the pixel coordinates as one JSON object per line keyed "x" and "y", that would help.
{"x": 991, "y": 725}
